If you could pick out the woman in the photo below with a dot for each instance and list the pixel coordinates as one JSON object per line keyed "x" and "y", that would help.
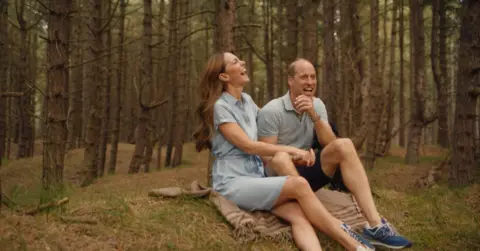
{"x": 228, "y": 128}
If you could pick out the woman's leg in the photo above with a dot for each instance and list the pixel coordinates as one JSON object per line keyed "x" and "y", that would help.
{"x": 297, "y": 188}
{"x": 303, "y": 233}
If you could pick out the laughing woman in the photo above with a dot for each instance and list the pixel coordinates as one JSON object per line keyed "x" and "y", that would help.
{"x": 228, "y": 128}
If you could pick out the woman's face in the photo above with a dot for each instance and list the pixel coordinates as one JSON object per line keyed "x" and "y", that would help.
{"x": 235, "y": 71}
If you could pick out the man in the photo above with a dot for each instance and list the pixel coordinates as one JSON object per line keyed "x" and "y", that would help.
{"x": 299, "y": 117}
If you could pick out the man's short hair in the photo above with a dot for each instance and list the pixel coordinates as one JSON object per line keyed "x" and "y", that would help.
{"x": 291, "y": 67}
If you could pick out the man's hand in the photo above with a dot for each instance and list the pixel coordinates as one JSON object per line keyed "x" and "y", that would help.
{"x": 304, "y": 158}
{"x": 305, "y": 104}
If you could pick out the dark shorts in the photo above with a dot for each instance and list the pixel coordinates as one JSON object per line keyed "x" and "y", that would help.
{"x": 318, "y": 179}
{"x": 315, "y": 175}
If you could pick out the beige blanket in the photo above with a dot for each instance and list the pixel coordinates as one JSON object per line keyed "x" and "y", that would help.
{"x": 249, "y": 226}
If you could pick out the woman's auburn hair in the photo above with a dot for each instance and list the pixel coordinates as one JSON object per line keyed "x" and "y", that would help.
{"x": 211, "y": 88}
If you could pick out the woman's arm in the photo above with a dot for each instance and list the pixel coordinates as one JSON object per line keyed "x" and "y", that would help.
{"x": 235, "y": 135}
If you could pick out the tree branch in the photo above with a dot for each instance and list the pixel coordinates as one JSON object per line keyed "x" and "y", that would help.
{"x": 430, "y": 118}
{"x": 248, "y": 25}
{"x": 112, "y": 14}
{"x": 11, "y": 94}
{"x": 155, "y": 104}
{"x": 44, "y": 6}
{"x": 474, "y": 91}
{"x": 192, "y": 15}
{"x": 253, "y": 49}
{"x": 193, "y": 32}
{"x": 47, "y": 205}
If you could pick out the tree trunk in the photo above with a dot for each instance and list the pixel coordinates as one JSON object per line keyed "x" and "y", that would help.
{"x": 401, "y": 94}
{"x": 118, "y": 86}
{"x": 250, "y": 62}
{"x": 268, "y": 48}
{"x": 146, "y": 85}
{"x": 224, "y": 36}
{"x": 291, "y": 31}
{"x": 106, "y": 90}
{"x": 181, "y": 87}
{"x": 375, "y": 90}
{"x": 24, "y": 125}
{"x": 387, "y": 119}
{"x": 171, "y": 80}
{"x": 418, "y": 116}
{"x": 225, "y": 25}
{"x": 56, "y": 94}
{"x": 33, "y": 81}
{"x": 93, "y": 85}
{"x": 463, "y": 167}
{"x": 443, "y": 95}
{"x": 360, "y": 101}
{"x": 329, "y": 69}
{"x": 75, "y": 123}
{"x": 3, "y": 75}
{"x": 161, "y": 84}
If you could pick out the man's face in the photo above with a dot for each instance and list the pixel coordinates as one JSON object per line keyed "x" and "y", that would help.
{"x": 305, "y": 79}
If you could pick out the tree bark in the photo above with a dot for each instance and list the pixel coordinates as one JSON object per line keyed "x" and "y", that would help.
{"x": 144, "y": 127}
{"x": 181, "y": 87}
{"x": 401, "y": 94}
{"x": 225, "y": 22}
{"x": 387, "y": 119}
{"x": 360, "y": 101}
{"x": 106, "y": 90}
{"x": 56, "y": 94}
{"x": 118, "y": 85}
{"x": 375, "y": 89}
{"x": 463, "y": 167}
{"x": 75, "y": 123}
{"x": 418, "y": 116}
{"x": 291, "y": 31}
{"x": 160, "y": 84}
{"x": 93, "y": 84}
{"x": 24, "y": 125}
{"x": 268, "y": 48}
{"x": 171, "y": 80}
{"x": 3, "y": 75}
{"x": 329, "y": 59}
{"x": 443, "y": 99}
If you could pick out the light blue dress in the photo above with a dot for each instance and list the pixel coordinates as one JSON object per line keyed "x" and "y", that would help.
{"x": 239, "y": 176}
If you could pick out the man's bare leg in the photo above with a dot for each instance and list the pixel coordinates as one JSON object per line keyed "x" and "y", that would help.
{"x": 342, "y": 152}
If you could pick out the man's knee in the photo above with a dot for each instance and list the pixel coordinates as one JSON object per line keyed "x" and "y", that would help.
{"x": 280, "y": 159}
{"x": 343, "y": 146}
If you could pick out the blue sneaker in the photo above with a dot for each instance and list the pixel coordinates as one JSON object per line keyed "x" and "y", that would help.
{"x": 358, "y": 237}
{"x": 385, "y": 235}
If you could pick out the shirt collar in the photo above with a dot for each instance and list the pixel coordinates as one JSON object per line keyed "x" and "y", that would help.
{"x": 231, "y": 99}
{"x": 287, "y": 102}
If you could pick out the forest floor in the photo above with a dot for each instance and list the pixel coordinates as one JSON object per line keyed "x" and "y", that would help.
{"x": 435, "y": 218}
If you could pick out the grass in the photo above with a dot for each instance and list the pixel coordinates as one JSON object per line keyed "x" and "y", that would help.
{"x": 436, "y": 218}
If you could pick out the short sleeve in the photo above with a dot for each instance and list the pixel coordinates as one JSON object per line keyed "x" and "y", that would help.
{"x": 268, "y": 123}
{"x": 222, "y": 114}
{"x": 321, "y": 110}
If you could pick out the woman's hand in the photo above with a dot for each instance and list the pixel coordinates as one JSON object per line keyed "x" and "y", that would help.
{"x": 304, "y": 158}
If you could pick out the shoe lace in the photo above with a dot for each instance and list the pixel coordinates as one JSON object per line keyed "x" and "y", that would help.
{"x": 350, "y": 232}
{"x": 385, "y": 231}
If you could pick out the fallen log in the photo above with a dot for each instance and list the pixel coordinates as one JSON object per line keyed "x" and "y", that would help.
{"x": 47, "y": 205}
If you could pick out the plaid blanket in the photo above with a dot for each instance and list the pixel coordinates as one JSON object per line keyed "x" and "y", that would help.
{"x": 250, "y": 226}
